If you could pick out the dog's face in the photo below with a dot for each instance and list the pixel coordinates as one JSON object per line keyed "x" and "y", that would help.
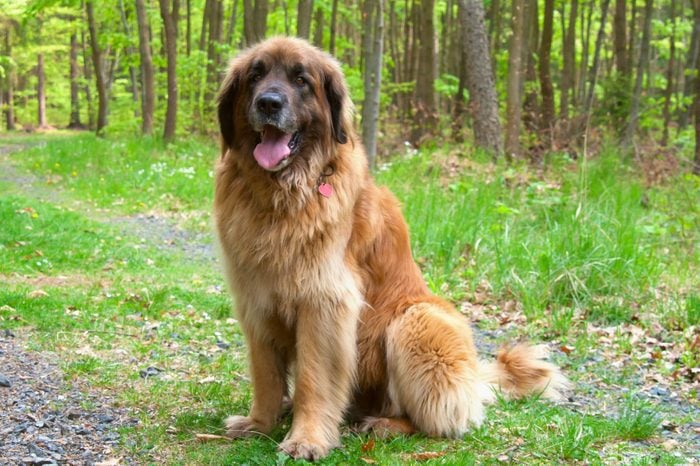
{"x": 280, "y": 99}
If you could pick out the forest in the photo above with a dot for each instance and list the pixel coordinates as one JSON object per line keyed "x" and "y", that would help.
{"x": 520, "y": 78}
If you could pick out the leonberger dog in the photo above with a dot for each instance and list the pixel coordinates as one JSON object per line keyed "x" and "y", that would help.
{"x": 339, "y": 323}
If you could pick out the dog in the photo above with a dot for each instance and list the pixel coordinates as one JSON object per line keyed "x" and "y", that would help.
{"x": 318, "y": 259}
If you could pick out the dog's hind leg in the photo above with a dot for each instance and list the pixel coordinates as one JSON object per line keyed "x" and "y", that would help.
{"x": 434, "y": 372}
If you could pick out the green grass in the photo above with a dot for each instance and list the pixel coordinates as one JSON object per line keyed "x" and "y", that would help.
{"x": 574, "y": 244}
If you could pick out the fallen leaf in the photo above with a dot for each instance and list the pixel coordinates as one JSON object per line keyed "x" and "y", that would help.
{"x": 669, "y": 444}
{"x": 368, "y": 460}
{"x": 566, "y": 349}
{"x": 369, "y": 446}
{"x": 426, "y": 455}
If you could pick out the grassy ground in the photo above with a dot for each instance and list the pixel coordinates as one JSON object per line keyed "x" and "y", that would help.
{"x": 97, "y": 263}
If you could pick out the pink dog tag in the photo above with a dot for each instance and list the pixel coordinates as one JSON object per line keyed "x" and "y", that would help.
{"x": 325, "y": 189}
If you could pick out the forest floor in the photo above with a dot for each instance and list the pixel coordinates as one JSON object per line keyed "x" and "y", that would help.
{"x": 117, "y": 345}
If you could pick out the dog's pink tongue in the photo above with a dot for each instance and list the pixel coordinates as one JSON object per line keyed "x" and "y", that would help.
{"x": 273, "y": 148}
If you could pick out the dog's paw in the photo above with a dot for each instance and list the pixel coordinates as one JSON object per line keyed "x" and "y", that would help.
{"x": 384, "y": 427}
{"x": 242, "y": 426}
{"x": 302, "y": 449}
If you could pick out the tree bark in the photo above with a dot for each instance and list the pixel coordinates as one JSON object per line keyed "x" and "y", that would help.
{"x": 254, "y": 20}
{"x": 690, "y": 66}
{"x": 102, "y": 104}
{"x": 40, "y": 92}
{"x": 670, "y": 71}
{"x": 74, "y": 122}
{"x": 372, "y": 78}
{"x": 620, "y": 37}
{"x": 596, "y": 58}
{"x": 631, "y": 127}
{"x": 319, "y": 27}
{"x": 696, "y": 106}
{"x": 569, "y": 55}
{"x": 334, "y": 26}
{"x": 9, "y": 87}
{"x": 88, "y": 77}
{"x": 148, "y": 98}
{"x": 130, "y": 52}
{"x": 532, "y": 34}
{"x": 170, "y": 18}
{"x": 483, "y": 102}
{"x": 547, "y": 112}
{"x": 425, "y": 116}
{"x": 515, "y": 79}
{"x": 304, "y": 10}
{"x": 232, "y": 22}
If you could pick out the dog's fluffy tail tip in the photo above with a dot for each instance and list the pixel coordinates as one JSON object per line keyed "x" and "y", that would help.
{"x": 521, "y": 370}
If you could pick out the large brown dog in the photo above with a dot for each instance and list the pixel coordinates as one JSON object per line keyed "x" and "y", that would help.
{"x": 319, "y": 261}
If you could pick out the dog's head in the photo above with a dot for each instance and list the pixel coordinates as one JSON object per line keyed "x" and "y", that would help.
{"x": 280, "y": 99}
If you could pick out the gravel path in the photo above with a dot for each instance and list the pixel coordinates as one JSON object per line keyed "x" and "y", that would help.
{"x": 46, "y": 420}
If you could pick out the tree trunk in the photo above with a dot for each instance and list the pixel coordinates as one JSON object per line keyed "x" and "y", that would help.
{"x": 515, "y": 79}
{"x": 620, "y": 38}
{"x": 304, "y": 11}
{"x": 669, "y": 74}
{"x": 495, "y": 24}
{"x": 260, "y": 16}
{"x": 596, "y": 58}
{"x": 696, "y": 106}
{"x": 41, "y": 95}
{"x": 88, "y": 77}
{"x": 216, "y": 17}
{"x": 547, "y": 112}
{"x": 631, "y": 128}
{"x": 205, "y": 23}
{"x": 372, "y": 77}
{"x": 188, "y": 27}
{"x": 232, "y": 22}
{"x": 425, "y": 116}
{"x": 690, "y": 66}
{"x": 254, "y": 20}
{"x": 130, "y": 52}
{"x": 148, "y": 99}
{"x": 318, "y": 28}
{"x": 74, "y": 122}
{"x": 483, "y": 102}
{"x": 170, "y": 18}
{"x": 102, "y": 104}
{"x": 9, "y": 86}
{"x": 586, "y": 23}
{"x": 532, "y": 35}
{"x": 569, "y": 54}
{"x": 334, "y": 25}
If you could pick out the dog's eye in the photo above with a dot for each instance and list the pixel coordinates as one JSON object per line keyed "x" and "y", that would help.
{"x": 300, "y": 81}
{"x": 256, "y": 77}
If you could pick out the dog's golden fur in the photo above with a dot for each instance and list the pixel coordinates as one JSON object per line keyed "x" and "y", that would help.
{"x": 326, "y": 289}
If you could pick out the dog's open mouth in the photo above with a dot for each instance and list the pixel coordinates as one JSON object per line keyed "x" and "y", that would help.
{"x": 276, "y": 148}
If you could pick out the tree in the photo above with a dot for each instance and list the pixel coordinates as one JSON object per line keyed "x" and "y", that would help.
{"x": 620, "y": 37}
{"x": 170, "y": 16}
{"x": 374, "y": 28}
{"x": 41, "y": 92}
{"x": 148, "y": 96}
{"x": 254, "y": 20}
{"x": 515, "y": 79}
{"x": 74, "y": 122}
{"x": 425, "y": 116}
{"x": 479, "y": 77}
{"x": 100, "y": 83}
{"x": 631, "y": 128}
{"x": 304, "y": 10}
{"x": 546, "y": 88}
{"x": 569, "y": 56}
{"x": 670, "y": 75}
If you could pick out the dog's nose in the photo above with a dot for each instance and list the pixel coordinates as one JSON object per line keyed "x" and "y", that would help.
{"x": 270, "y": 103}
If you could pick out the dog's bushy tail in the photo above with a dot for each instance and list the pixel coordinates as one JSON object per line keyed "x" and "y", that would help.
{"x": 521, "y": 370}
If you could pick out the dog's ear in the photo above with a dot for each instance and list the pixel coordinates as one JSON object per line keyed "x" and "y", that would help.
{"x": 228, "y": 96}
{"x": 334, "y": 87}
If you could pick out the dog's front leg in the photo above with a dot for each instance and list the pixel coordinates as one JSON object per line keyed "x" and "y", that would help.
{"x": 326, "y": 357}
{"x": 268, "y": 375}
